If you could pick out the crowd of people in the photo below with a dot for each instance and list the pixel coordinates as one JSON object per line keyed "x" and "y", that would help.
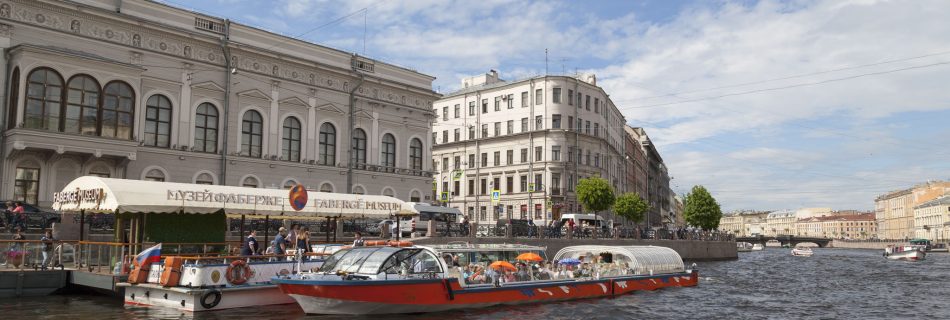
{"x": 482, "y": 273}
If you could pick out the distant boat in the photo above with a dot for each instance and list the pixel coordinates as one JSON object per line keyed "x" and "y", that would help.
{"x": 906, "y": 253}
{"x": 743, "y": 247}
{"x": 802, "y": 252}
{"x": 758, "y": 247}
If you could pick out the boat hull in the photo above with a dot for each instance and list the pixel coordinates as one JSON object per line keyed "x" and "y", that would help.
{"x": 913, "y": 255}
{"x": 418, "y": 296}
{"x": 203, "y": 299}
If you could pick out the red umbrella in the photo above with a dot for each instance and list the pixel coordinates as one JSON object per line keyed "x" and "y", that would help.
{"x": 502, "y": 265}
{"x": 529, "y": 256}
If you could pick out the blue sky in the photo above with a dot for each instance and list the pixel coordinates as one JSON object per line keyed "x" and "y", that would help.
{"x": 769, "y": 104}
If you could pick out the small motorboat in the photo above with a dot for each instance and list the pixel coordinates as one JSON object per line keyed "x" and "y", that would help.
{"x": 802, "y": 252}
{"x": 758, "y": 247}
{"x": 743, "y": 247}
{"x": 906, "y": 253}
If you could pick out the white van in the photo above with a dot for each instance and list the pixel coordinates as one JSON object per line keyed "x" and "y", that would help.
{"x": 420, "y": 223}
{"x": 585, "y": 220}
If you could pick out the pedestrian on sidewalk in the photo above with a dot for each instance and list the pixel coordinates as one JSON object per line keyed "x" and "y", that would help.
{"x": 19, "y": 217}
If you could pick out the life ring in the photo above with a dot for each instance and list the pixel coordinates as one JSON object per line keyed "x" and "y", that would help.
{"x": 238, "y": 272}
{"x": 204, "y": 299}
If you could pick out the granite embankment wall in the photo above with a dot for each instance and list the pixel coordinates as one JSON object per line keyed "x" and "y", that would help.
{"x": 877, "y": 245}
{"x": 688, "y": 249}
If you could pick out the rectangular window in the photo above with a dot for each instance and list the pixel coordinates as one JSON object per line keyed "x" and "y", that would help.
{"x": 570, "y": 154}
{"x": 435, "y": 137}
{"x": 511, "y": 101}
{"x": 524, "y": 99}
{"x": 445, "y": 113}
{"x": 596, "y": 105}
{"x": 484, "y": 160}
{"x": 570, "y": 123}
{"x": 484, "y": 105}
{"x": 596, "y": 129}
{"x": 497, "y": 129}
{"x": 458, "y": 134}
{"x": 579, "y": 96}
{"x": 556, "y": 95}
{"x": 538, "y": 153}
{"x": 579, "y": 125}
{"x": 555, "y": 184}
{"x": 538, "y": 182}
{"x": 524, "y": 184}
{"x": 483, "y": 215}
{"x": 496, "y": 183}
{"x": 485, "y": 130}
{"x": 524, "y": 155}
{"x": 471, "y": 108}
{"x": 556, "y": 153}
{"x": 445, "y": 136}
{"x": 538, "y": 123}
{"x": 498, "y": 103}
{"x": 570, "y": 97}
{"x": 471, "y": 132}
{"x": 587, "y": 102}
{"x": 455, "y": 188}
{"x": 510, "y": 157}
{"x": 445, "y": 186}
{"x": 538, "y": 96}
{"x": 471, "y": 187}
{"x": 511, "y": 126}
{"x": 458, "y": 110}
{"x": 556, "y": 121}
{"x": 484, "y": 186}
{"x": 570, "y": 182}
{"x": 587, "y": 127}
{"x": 497, "y": 158}
{"x": 587, "y": 158}
{"x": 26, "y": 185}
{"x": 597, "y": 160}
{"x": 471, "y": 161}
{"x": 509, "y": 184}
{"x": 457, "y": 163}
{"x": 445, "y": 165}
{"x": 524, "y": 124}
{"x": 580, "y": 155}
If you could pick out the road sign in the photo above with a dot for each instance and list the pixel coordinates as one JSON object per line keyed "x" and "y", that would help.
{"x": 457, "y": 175}
{"x": 495, "y": 196}
{"x": 444, "y": 196}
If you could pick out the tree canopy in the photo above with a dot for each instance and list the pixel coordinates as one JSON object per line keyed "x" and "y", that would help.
{"x": 701, "y": 209}
{"x": 631, "y": 206}
{"x": 595, "y": 194}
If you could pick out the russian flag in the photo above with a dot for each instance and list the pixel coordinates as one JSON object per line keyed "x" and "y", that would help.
{"x": 150, "y": 255}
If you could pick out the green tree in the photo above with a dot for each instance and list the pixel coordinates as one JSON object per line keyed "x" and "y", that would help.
{"x": 595, "y": 194}
{"x": 701, "y": 209}
{"x": 631, "y": 206}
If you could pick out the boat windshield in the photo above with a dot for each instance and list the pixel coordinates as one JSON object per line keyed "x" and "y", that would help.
{"x": 354, "y": 260}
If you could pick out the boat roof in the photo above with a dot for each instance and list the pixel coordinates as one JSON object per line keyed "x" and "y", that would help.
{"x": 643, "y": 259}
{"x": 469, "y": 247}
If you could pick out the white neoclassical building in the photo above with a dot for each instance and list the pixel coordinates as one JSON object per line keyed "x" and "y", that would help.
{"x": 143, "y": 90}
{"x": 531, "y": 140}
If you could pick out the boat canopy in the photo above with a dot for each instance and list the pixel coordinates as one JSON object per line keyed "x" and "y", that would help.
{"x": 105, "y": 195}
{"x": 640, "y": 259}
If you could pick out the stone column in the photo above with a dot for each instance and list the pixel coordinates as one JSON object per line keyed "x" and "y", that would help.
{"x": 431, "y": 229}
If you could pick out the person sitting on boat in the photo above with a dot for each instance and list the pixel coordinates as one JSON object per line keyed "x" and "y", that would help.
{"x": 358, "y": 242}
{"x": 478, "y": 276}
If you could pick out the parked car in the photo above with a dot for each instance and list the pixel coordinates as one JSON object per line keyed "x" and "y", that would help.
{"x": 36, "y": 218}
{"x": 519, "y": 227}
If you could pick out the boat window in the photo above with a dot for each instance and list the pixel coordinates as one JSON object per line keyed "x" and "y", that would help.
{"x": 400, "y": 260}
{"x": 425, "y": 262}
{"x": 352, "y": 261}
{"x": 375, "y": 260}
{"x": 331, "y": 261}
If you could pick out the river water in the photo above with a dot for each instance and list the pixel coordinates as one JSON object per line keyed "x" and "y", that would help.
{"x": 769, "y": 284}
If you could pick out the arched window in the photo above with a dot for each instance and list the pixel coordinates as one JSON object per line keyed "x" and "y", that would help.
{"x": 158, "y": 121}
{"x": 82, "y": 106}
{"x": 389, "y": 192}
{"x": 359, "y": 149}
{"x": 252, "y": 132}
{"x": 290, "y": 148}
{"x": 117, "y": 111}
{"x": 204, "y": 178}
{"x": 290, "y": 183}
{"x": 43, "y": 99}
{"x": 250, "y": 182}
{"x": 388, "y": 159}
{"x": 414, "y": 197}
{"x": 327, "y": 144}
{"x": 326, "y": 187}
{"x": 206, "y": 128}
{"x": 14, "y": 98}
{"x": 155, "y": 175}
{"x": 415, "y": 154}
{"x": 358, "y": 190}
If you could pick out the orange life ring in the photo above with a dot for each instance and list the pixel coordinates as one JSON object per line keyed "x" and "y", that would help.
{"x": 238, "y": 272}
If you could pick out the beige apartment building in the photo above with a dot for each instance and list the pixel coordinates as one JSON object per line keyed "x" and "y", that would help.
{"x": 780, "y": 223}
{"x": 932, "y": 219}
{"x": 744, "y": 223}
{"x": 894, "y": 211}
{"x": 852, "y": 226}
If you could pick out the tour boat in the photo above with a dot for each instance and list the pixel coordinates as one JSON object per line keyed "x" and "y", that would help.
{"x": 907, "y": 253}
{"x": 417, "y": 279}
{"x": 743, "y": 247}
{"x": 758, "y": 247}
{"x": 802, "y": 252}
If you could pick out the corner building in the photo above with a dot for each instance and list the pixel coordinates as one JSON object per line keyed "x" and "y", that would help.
{"x": 531, "y": 140}
{"x": 143, "y": 90}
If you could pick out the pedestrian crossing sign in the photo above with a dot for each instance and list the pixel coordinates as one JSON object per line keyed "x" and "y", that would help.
{"x": 444, "y": 197}
{"x": 495, "y": 196}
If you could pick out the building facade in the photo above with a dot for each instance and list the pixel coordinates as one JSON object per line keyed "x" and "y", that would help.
{"x": 143, "y": 90}
{"x": 894, "y": 211}
{"x": 932, "y": 219}
{"x": 853, "y": 226}
{"x": 744, "y": 223}
{"x": 780, "y": 222}
{"x": 652, "y": 178}
{"x": 531, "y": 140}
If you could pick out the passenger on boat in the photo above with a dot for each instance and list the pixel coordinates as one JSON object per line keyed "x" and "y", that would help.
{"x": 292, "y": 235}
{"x": 303, "y": 240}
{"x": 478, "y": 276}
{"x": 279, "y": 246}
{"x": 250, "y": 244}
{"x": 358, "y": 242}
{"x": 509, "y": 276}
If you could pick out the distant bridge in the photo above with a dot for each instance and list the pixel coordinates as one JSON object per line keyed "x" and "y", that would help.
{"x": 784, "y": 239}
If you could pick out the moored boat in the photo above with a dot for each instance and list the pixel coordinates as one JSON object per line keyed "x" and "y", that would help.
{"x": 758, "y": 247}
{"x": 906, "y": 253}
{"x": 743, "y": 246}
{"x": 802, "y": 252}
{"x": 385, "y": 280}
